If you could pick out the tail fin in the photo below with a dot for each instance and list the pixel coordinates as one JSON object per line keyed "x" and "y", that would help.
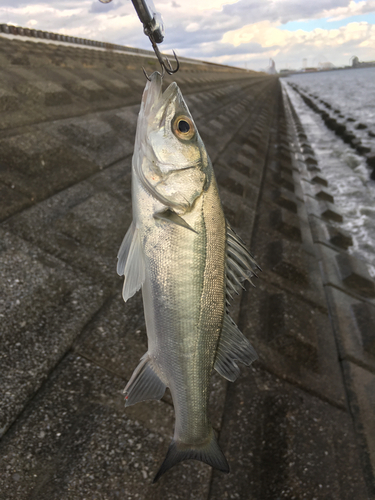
{"x": 209, "y": 453}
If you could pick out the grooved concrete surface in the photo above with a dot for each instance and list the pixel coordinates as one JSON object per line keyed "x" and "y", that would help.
{"x": 295, "y": 425}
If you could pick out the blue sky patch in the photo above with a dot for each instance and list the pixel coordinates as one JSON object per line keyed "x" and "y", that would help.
{"x": 325, "y": 24}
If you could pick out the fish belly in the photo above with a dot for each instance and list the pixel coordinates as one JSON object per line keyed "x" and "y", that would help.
{"x": 184, "y": 301}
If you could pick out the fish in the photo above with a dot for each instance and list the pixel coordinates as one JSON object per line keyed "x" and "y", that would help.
{"x": 189, "y": 263}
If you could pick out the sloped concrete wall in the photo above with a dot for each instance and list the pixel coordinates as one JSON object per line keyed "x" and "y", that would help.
{"x": 68, "y": 341}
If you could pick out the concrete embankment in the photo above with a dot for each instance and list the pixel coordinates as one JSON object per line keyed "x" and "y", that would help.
{"x": 299, "y": 423}
{"x": 356, "y": 135}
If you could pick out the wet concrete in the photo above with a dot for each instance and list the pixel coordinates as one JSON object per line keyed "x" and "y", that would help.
{"x": 299, "y": 423}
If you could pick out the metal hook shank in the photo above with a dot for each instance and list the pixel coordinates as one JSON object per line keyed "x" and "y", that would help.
{"x": 165, "y": 64}
{"x": 153, "y": 27}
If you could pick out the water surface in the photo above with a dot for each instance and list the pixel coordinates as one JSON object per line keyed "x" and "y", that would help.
{"x": 352, "y": 93}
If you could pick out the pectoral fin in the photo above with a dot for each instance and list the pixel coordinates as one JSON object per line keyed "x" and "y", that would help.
{"x": 170, "y": 216}
{"x": 144, "y": 384}
{"x": 131, "y": 262}
{"x": 233, "y": 347}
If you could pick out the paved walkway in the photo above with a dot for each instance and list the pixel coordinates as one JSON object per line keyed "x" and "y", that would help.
{"x": 298, "y": 424}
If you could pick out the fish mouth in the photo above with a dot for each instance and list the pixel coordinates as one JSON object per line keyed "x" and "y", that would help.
{"x": 155, "y": 98}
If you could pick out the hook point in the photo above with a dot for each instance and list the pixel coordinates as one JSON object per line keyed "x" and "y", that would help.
{"x": 146, "y": 75}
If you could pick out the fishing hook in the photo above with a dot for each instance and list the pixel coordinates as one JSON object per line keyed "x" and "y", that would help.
{"x": 148, "y": 78}
{"x": 164, "y": 63}
{"x": 153, "y": 27}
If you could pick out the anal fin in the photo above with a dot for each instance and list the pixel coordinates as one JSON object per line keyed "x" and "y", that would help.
{"x": 233, "y": 347}
{"x": 144, "y": 384}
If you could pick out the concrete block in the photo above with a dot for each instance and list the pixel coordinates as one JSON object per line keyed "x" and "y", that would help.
{"x": 248, "y": 151}
{"x": 238, "y": 211}
{"x": 299, "y": 157}
{"x": 88, "y": 89}
{"x": 323, "y": 209}
{"x": 9, "y": 101}
{"x": 19, "y": 58}
{"x": 306, "y": 148}
{"x": 94, "y": 138}
{"x": 12, "y": 200}
{"x": 287, "y": 260}
{"x": 283, "y": 180}
{"x": 354, "y": 324}
{"x": 282, "y": 198}
{"x": 117, "y": 87}
{"x": 286, "y": 223}
{"x": 37, "y": 165}
{"x": 310, "y": 161}
{"x": 315, "y": 191}
{"x": 354, "y": 273}
{"x": 297, "y": 187}
{"x": 318, "y": 179}
{"x": 282, "y": 442}
{"x": 43, "y": 309}
{"x": 287, "y": 167}
{"x": 77, "y": 439}
{"x": 116, "y": 337}
{"x": 48, "y": 93}
{"x": 83, "y": 225}
{"x": 331, "y": 236}
{"x": 293, "y": 340}
{"x": 288, "y": 263}
{"x": 347, "y": 273}
{"x": 307, "y": 241}
{"x": 321, "y": 194}
{"x": 237, "y": 183}
{"x": 362, "y": 403}
{"x": 27, "y": 152}
{"x": 245, "y": 163}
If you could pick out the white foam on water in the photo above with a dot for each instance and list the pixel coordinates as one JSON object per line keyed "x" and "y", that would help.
{"x": 347, "y": 173}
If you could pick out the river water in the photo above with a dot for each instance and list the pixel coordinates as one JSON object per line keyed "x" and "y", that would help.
{"x": 350, "y": 95}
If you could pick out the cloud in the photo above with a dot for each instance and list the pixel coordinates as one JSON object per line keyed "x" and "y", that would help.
{"x": 98, "y": 7}
{"x": 290, "y": 47}
{"x": 353, "y": 9}
{"x": 228, "y": 31}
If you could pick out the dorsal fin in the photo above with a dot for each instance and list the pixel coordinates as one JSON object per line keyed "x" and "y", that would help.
{"x": 241, "y": 265}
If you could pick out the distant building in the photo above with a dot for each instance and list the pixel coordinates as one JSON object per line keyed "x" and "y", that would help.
{"x": 324, "y": 66}
{"x": 356, "y": 63}
{"x": 271, "y": 70}
{"x": 285, "y": 72}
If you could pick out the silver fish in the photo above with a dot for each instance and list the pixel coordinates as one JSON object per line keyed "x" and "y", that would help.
{"x": 188, "y": 261}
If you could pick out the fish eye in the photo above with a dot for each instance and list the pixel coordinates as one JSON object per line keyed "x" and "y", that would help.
{"x": 183, "y": 128}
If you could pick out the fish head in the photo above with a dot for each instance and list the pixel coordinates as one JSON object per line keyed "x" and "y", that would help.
{"x": 170, "y": 158}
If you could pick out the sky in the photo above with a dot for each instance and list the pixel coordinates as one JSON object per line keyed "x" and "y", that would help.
{"x": 245, "y": 33}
